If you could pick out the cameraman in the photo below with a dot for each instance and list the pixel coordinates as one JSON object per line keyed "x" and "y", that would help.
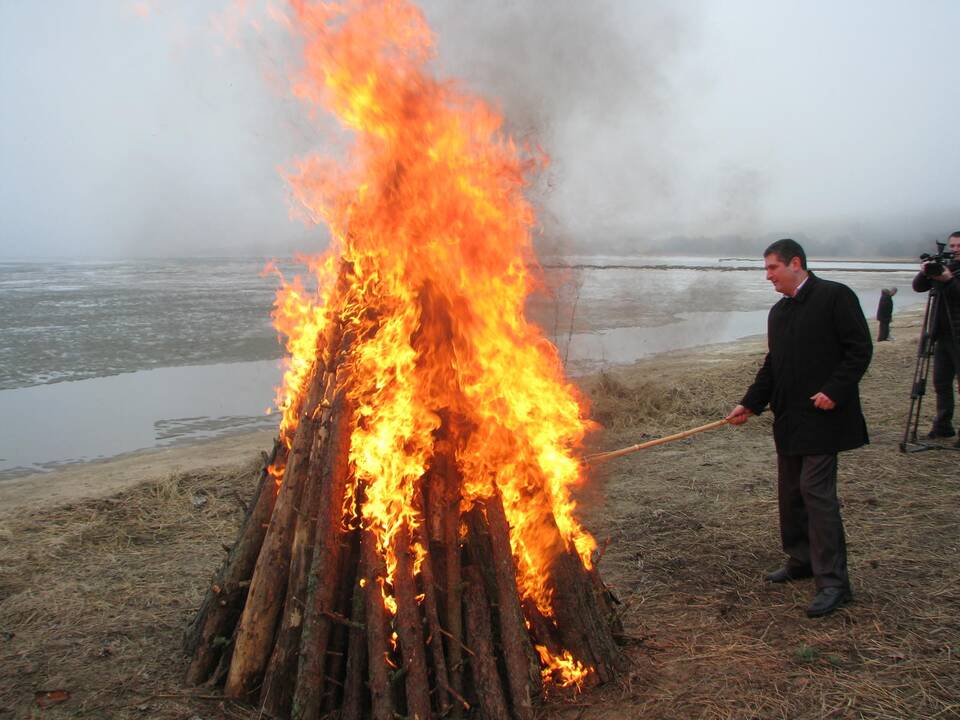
{"x": 945, "y": 331}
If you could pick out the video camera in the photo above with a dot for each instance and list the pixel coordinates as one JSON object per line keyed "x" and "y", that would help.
{"x": 935, "y": 264}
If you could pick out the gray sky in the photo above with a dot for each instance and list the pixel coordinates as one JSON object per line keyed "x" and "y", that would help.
{"x": 158, "y": 128}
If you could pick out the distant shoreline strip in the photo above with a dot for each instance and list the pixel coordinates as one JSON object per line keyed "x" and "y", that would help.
{"x": 722, "y": 268}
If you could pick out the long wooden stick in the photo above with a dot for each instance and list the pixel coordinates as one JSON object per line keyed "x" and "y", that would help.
{"x": 604, "y": 456}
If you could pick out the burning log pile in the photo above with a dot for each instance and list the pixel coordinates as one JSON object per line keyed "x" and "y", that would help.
{"x": 319, "y": 606}
{"x": 412, "y": 547}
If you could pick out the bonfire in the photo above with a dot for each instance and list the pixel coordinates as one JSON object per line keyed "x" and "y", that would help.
{"x": 413, "y": 547}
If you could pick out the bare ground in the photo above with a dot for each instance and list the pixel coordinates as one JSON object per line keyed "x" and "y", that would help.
{"x": 95, "y": 591}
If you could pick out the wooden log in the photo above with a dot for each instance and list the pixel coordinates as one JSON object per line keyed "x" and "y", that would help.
{"x": 478, "y": 550}
{"x": 353, "y": 689}
{"x": 435, "y": 629}
{"x": 193, "y": 633}
{"x": 349, "y": 578}
{"x": 607, "y": 601}
{"x": 378, "y": 652}
{"x": 217, "y": 617}
{"x": 452, "y": 604}
{"x": 483, "y": 664}
{"x": 248, "y": 549}
{"x": 325, "y": 571}
{"x": 433, "y": 501}
{"x": 281, "y": 674}
{"x": 580, "y": 619}
{"x": 434, "y": 491}
{"x": 409, "y": 628}
{"x": 579, "y": 622}
{"x": 268, "y": 585}
{"x": 542, "y": 629}
{"x": 219, "y": 674}
{"x": 522, "y": 662}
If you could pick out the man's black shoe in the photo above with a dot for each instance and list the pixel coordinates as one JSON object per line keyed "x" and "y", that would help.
{"x": 788, "y": 574}
{"x": 827, "y": 600}
{"x": 941, "y": 433}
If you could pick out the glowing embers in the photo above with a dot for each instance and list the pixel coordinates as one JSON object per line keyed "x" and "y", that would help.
{"x": 564, "y": 670}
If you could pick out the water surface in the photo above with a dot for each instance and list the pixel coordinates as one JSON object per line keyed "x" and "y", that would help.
{"x": 101, "y": 358}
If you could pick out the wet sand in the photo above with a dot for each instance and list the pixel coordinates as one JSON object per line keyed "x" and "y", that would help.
{"x": 84, "y": 481}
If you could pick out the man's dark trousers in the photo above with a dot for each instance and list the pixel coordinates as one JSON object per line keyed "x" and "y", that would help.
{"x": 946, "y": 364}
{"x": 810, "y": 523}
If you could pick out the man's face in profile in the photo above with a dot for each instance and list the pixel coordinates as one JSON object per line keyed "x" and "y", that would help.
{"x": 784, "y": 276}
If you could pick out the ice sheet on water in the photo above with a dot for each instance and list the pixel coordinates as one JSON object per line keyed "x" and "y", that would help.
{"x": 72, "y": 320}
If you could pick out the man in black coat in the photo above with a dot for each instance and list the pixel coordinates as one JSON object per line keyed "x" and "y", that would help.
{"x": 818, "y": 349}
{"x": 945, "y": 331}
{"x": 885, "y": 313}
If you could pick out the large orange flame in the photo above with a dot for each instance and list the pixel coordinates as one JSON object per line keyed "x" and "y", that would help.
{"x": 429, "y": 214}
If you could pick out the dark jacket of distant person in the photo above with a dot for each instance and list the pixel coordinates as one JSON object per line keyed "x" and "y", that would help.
{"x": 885, "y": 306}
{"x": 949, "y": 304}
{"x": 818, "y": 342}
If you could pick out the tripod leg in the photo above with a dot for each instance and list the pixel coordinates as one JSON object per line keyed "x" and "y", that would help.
{"x": 920, "y": 372}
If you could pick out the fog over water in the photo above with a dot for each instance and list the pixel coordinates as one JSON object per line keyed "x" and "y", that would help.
{"x": 157, "y": 128}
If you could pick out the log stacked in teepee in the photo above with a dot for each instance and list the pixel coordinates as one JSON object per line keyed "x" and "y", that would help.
{"x": 305, "y": 618}
{"x": 412, "y": 550}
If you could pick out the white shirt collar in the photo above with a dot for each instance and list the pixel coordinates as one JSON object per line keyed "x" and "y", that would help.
{"x": 797, "y": 289}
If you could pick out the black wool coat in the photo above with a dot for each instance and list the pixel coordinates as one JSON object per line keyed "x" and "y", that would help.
{"x": 817, "y": 341}
{"x": 885, "y": 308}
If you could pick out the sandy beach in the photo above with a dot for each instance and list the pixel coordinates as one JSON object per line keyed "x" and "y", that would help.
{"x": 103, "y": 564}
{"x": 85, "y": 481}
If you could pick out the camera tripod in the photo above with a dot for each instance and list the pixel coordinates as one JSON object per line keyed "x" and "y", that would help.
{"x": 925, "y": 352}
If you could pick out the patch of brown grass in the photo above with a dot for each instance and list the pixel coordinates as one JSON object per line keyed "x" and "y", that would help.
{"x": 94, "y": 596}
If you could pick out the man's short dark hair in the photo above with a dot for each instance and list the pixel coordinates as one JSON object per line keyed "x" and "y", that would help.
{"x": 955, "y": 233}
{"x": 787, "y": 250}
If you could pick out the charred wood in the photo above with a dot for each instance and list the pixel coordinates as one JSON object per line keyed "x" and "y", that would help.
{"x": 409, "y": 628}
{"x": 378, "y": 652}
{"x": 523, "y": 665}
{"x": 435, "y": 633}
{"x": 326, "y": 562}
{"x": 580, "y": 620}
{"x": 348, "y": 574}
{"x": 353, "y": 689}
{"x": 452, "y": 581}
{"x": 483, "y": 663}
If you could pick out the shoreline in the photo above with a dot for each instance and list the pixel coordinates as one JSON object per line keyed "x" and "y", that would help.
{"x": 101, "y": 477}
{"x": 93, "y": 479}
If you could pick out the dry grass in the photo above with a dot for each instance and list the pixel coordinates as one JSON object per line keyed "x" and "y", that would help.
{"x": 693, "y": 527}
{"x": 94, "y": 596}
